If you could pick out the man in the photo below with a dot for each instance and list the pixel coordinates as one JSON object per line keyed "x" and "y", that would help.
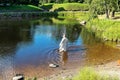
{"x": 63, "y": 44}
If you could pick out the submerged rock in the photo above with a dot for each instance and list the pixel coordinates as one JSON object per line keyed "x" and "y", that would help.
{"x": 18, "y": 77}
{"x": 53, "y": 65}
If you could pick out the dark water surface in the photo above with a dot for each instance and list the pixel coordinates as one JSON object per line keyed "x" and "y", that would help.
{"x": 29, "y": 46}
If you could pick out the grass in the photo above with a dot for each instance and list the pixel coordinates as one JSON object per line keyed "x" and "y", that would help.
{"x": 91, "y": 74}
{"x": 105, "y": 29}
{"x": 71, "y": 14}
{"x": 66, "y": 7}
{"x": 21, "y": 8}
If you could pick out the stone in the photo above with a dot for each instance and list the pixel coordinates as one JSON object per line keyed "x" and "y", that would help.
{"x": 18, "y": 77}
{"x": 53, "y": 65}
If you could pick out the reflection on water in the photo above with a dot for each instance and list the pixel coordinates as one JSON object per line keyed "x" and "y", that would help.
{"x": 29, "y": 46}
{"x": 97, "y": 52}
{"x": 64, "y": 57}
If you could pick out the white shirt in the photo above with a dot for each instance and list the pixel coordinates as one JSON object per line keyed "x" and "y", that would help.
{"x": 63, "y": 44}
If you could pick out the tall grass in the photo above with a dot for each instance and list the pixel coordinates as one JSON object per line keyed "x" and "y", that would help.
{"x": 105, "y": 29}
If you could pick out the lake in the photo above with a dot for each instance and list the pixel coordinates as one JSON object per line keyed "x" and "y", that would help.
{"x": 29, "y": 46}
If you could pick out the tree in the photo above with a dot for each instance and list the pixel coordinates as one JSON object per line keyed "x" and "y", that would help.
{"x": 104, "y": 6}
{"x": 114, "y": 7}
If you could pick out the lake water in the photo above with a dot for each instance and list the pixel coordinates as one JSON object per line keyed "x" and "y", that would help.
{"x": 29, "y": 46}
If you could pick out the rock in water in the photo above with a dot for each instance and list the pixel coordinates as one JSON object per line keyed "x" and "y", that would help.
{"x": 53, "y": 65}
{"x": 18, "y": 77}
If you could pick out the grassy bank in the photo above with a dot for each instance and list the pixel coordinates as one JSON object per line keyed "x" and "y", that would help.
{"x": 66, "y": 7}
{"x": 20, "y": 8}
{"x": 107, "y": 30}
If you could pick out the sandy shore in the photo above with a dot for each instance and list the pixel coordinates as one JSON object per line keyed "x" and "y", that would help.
{"x": 111, "y": 69}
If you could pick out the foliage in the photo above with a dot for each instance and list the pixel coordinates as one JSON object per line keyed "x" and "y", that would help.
{"x": 103, "y": 6}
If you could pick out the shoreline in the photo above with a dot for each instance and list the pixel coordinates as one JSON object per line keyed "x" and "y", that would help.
{"x": 110, "y": 69}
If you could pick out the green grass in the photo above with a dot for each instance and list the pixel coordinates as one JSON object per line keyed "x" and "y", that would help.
{"x": 91, "y": 74}
{"x": 105, "y": 29}
{"x": 66, "y": 7}
{"x": 21, "y": 8}
{"x": 74, "y": 14}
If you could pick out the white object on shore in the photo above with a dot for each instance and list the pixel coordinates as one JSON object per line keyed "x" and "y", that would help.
{"x": 63, "y": 44}
{"x": 83, "y": 22}
{"x": 53, "y": 65}
{"x": 18, "y": 78}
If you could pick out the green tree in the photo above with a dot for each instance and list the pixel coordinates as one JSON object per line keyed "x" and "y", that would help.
{"x": 114, "y": 6}
{"x": 103, "y": 6}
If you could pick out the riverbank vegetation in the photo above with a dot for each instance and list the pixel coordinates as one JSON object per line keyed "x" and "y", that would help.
{"x": 107, "y": 30}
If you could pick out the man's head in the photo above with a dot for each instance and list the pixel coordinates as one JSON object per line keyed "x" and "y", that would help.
{"x": 64, "y": 36}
